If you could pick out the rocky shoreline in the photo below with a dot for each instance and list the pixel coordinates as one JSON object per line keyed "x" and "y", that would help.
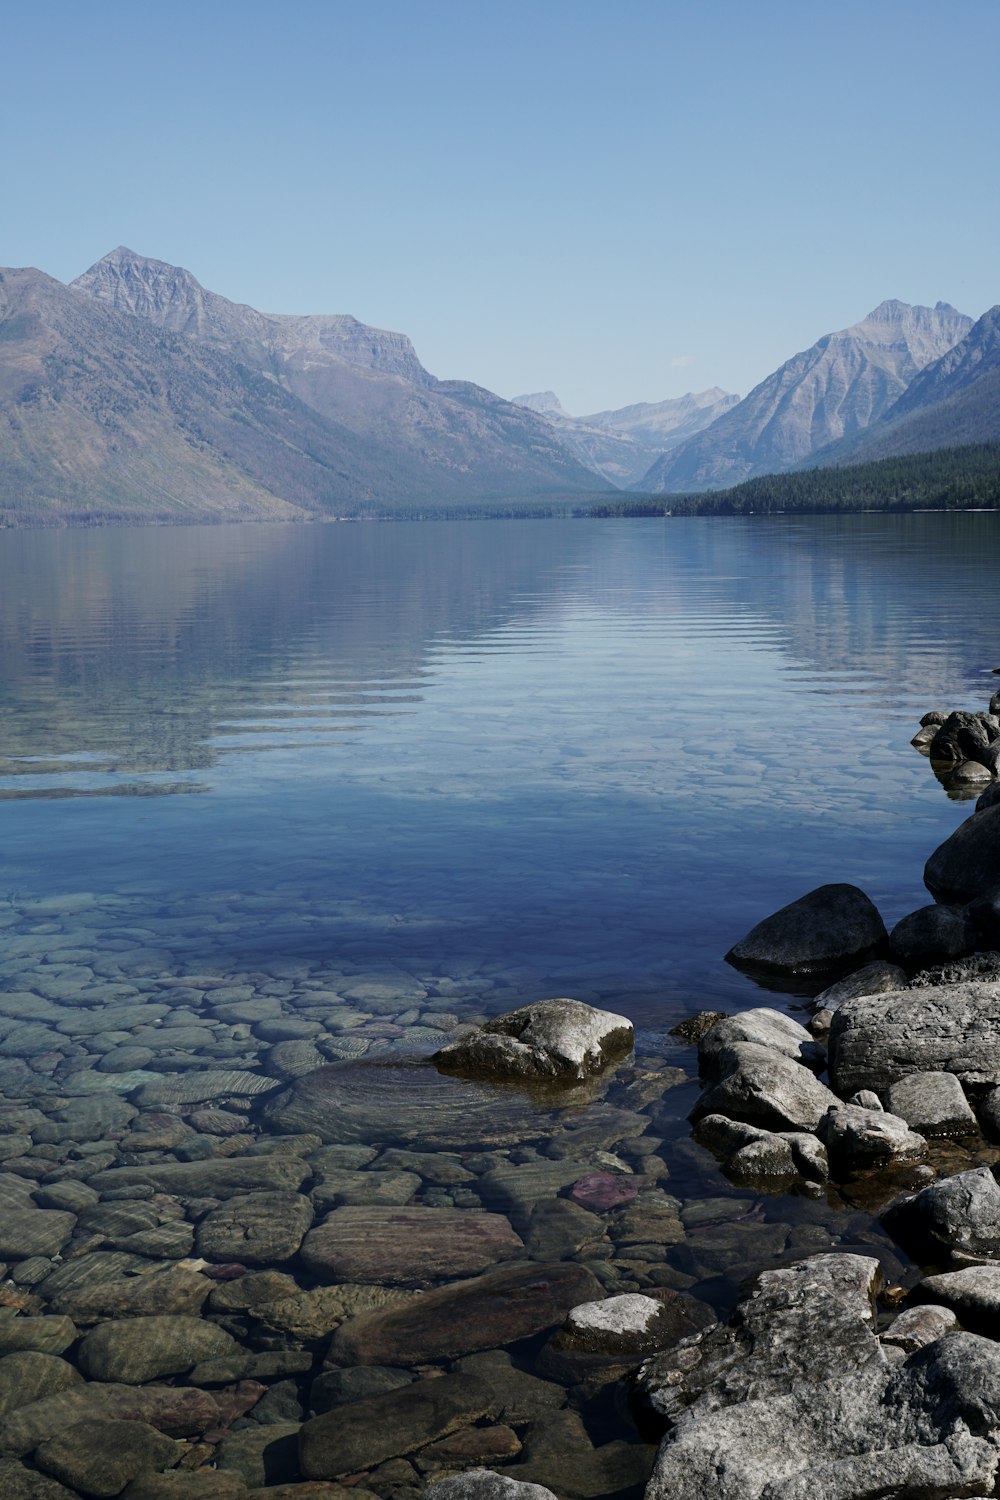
{"x": 319, "y": 1232}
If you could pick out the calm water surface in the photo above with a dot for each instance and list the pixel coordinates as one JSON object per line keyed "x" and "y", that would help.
{"x": 341, "y": 789}
{"x": 579, "y": 757}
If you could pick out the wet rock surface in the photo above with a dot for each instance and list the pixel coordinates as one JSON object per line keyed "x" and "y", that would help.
{"x": 830, "y": 929}
{"x": 552, "y": 1039}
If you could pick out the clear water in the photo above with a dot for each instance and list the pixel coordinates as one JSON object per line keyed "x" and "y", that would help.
{"x": 394, "y": 777}
{"x": 522, "y": 758}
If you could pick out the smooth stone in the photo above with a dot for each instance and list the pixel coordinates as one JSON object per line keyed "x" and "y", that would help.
{"x": 316, "y": 1313}
{"x": 172, "y": 1090}
{"x": 257, "y": 1230}
{"x": 251, "y": 1291}
{"x": 550, "y": 1039}
{"x": 20, "y": 1483}
{"x": 559, "y": 1229}
{"x": 764, "y": 1088}
{"x": 215, "y": 1484}
{"x": 967, "y": 864}
{"x": 334, "y": 1187}
{"x": 166, "y": 1242}
{"x": 971, "y": 1294}
{"x": 484, "y": 1312}
{"x": 918, "y": 1326}
{"x": 172, "y": 1290}
{"x": 34, "y": 1231}
{"x": 44, "y": 1335}
{"x": 405, "y": 1247}
{"x": 558, "y": 1454}
{"x": 765, "y": 1028}
{"x": 486, "y": 1484}
{"x": 178, "y": 1411}
{"x": 932, "y": 1103}
{"x": 629, "y": 1323}
{"x": 602, "y": 1191}
{"x": 269, "y": 1365}
{"x": 101, "y": 1458}
{"x": 948, "y": 1028}
{"x": 29, "y": 1376}
{"x": 933, "y": 934}
{"x": 137, "y": 1350}
{"x": 292, "y": 1058}
{"x": 340, "y": 1387}
{"x": 380, "y": 1101}
{"x": 475, "y": 1445}
{"x": 369, "y": 1431}
{"x": 960, "y": 1213}
{"x": 872, "y": 979}
{"x": 828, "y": 929}
{"x": 262, "y": 1456}
{"x": 857, "y": 1139}
{"x": 214, "y": 1178}
{"x": 516, "y": 1189}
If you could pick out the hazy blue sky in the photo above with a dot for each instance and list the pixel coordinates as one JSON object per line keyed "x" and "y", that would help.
{"x": 620, "y": 201}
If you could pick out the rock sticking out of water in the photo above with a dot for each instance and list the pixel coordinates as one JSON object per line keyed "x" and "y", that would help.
{"x": 562, "y": 1040}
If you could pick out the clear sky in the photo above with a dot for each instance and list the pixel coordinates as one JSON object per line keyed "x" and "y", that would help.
{"x": 619, "y": 200}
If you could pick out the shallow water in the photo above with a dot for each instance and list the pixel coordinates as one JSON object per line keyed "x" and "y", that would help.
{"x": 374, "y": 781}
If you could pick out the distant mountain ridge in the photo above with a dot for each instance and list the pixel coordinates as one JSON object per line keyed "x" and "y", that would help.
{"x": 136, "y": 394}
{"x": 621, "y": 445}
{"x": 841, "y": 385}
{"x": 955, "y": 400}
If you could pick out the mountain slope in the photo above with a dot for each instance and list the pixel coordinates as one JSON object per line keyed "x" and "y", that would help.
{"x": 843, "y": 384}
{"x": 955, "y": 400}
{"x": 443, "y": 440}
{"x": 621, "y": 445}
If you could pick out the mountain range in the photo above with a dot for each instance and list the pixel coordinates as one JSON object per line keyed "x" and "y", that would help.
{"x": 134, "y": 393}
{"x": 622, "y": 445}
{"x": 841, "y": 386}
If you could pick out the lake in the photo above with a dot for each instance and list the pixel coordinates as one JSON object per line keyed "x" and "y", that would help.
{"x": 339, "y": 789}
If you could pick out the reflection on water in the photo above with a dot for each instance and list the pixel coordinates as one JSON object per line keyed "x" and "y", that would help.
{"x": 590, "y": 753}
{"x": 279, "y": 797}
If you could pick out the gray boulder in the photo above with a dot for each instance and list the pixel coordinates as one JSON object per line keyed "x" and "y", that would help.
{"x": 857, "y": 1139}
{"x": 751, "y": 1152}
{"x": 764, "y": 1088}
{"x": 137, "y": 1350}
{"x": 918, "y": 1326}
{"x": 949, "y": 1028}
{"x": 871, "y": 979}
{"x": 101, "y": 1458}
{"x": 958, "y": 1215}
{"x": 562, "y": 1040}
{"x": 933, "y": 934}
{"x": 933, "y": 1104}
{"x": 485, "y": 1484}
{"x": 796, "y": 1399}
{"x": 832, "y": 928}
{"x": 967, "y": 864}
{"x": 766, "y": 1028}
{"x": 972, "y": 1294}
{"x": 961, "y": 737}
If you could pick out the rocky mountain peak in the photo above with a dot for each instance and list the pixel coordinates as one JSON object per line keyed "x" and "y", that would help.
{"x": 547, "y": 403}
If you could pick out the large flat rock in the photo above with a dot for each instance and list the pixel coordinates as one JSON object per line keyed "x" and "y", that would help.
{"x": 385, "y": 1102}
{"x": 485, "y": 1312}
{"x": 367, "y": 1432}
{"x": 407, "y": 1246}
{"x": 951, "y": 1028}
{"x": 213, "y": 1178}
